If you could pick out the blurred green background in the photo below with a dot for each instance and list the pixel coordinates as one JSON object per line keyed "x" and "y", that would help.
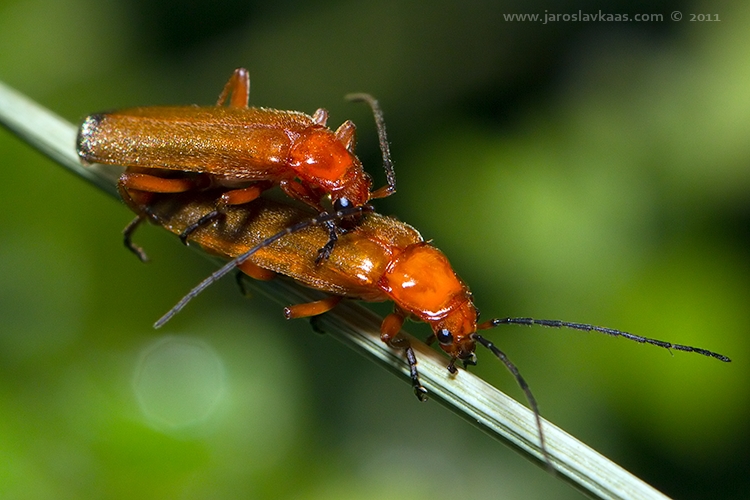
{"x": 595, "y": 172}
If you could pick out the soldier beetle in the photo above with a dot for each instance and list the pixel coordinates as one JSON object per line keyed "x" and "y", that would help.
{"x": 243, "y": 149}
{"x": 380, "y": 259}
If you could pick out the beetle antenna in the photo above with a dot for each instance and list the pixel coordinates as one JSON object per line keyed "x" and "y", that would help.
{"x": 385, "y": 149}
{"x": 553, "y": 323}
{"x": 524, "y": 387}
{"x": 229, "y": 266}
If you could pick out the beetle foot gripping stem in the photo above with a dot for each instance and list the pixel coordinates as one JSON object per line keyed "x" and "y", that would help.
{"x": 419, "y": 390}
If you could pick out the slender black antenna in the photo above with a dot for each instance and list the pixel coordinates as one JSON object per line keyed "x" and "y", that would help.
{"x": 229, "y": 266}
{"x": 553, "y": 323}
{"x": 385, "y": 149}
{"x": 524, "y": 387}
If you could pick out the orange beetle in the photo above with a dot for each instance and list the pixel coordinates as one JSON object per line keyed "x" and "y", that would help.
{"x": 242, "y": 149}
{"x": 380, "y": 259}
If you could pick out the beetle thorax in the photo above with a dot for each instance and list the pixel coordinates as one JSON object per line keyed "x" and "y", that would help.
{"x": 321, "y": 160}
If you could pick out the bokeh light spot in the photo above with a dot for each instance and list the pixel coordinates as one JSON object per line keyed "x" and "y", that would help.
{"x": 178, "y": 382}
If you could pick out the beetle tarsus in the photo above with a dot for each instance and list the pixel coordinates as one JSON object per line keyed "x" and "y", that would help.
{"x": 324, "y": 253}
{"x": 419, "y": 390}
{"x": 203, "y": 221}
{"x": 127, "y": 234}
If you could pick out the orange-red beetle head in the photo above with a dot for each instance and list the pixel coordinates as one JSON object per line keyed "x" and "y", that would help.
{"x": 455, "y": 333}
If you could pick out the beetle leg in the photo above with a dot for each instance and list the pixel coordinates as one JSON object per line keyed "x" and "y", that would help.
{"x": 154, "y": 184}
{"x": 232, "y": 197}
{"x": 255, "y": 271}
{"x": 333, "y": 236}
{"x": 390, "y": 334}
{"x": 237, "y": 90}
{"x": 346, "y": 134}
{"x": 242, "y": 195}
{"x": 239, "y": 277}
{"x": 419, "y": 389}
{"x": 203, "y": 221}
{"x": 127, "y": 234}
{"x": 314, "y": 308}
{"x": 382, "y": 192}
{"x": 391, "y": 327}
{"x": 301, "y": 192}
{"x": 320, "y": 117}
{"x": 136, "y": 200}
{"x": 139, "y": 201}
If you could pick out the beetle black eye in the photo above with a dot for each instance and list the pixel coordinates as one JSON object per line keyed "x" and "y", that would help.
{"x": 444, "y": 336}
{"x": 341, "y": 203}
